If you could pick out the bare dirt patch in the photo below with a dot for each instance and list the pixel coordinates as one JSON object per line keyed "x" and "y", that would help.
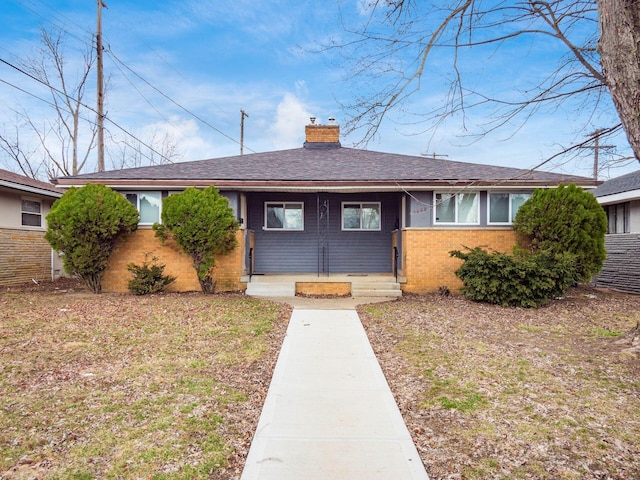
{"x": 493, "y": 392}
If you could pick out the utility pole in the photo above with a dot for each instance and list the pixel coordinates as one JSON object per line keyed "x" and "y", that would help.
{"x": 100, "y": 89}
{"x": 243, "y": 115}
{"x": 596, "y": 150}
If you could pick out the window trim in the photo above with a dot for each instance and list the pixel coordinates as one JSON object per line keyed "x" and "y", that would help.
{"x": 38, "y": 214}
{"x": 510, "y": 214}
{"x": 379, "y": 205}
{"x": 455, "y": 196}
{"x": 137, "y": 193}
{"x": 284, "y": 227}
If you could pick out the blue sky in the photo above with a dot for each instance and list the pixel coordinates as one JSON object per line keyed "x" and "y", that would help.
{"x": 215, "y": 57}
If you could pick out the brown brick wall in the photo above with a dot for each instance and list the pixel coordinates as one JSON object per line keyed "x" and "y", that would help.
{"x": 227, "y": 270}
{"x": 322, "y": 133}
{"x": 24, "y": 256}
{"x": 426, "y": 259}
{"x": 340, "y": 289}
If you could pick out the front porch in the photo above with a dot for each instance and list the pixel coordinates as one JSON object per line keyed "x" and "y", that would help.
{"x": 335, "y": 284}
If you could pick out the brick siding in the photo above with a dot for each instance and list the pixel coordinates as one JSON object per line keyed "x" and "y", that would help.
{"x": 322, "y": 133}
{"x": 339, "y": 289}
{"x": 427, "y": 264}
{"x": 226, "y": 273}
{"x": 24, "y": 256}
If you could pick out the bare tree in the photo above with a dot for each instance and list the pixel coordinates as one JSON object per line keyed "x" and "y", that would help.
{"x": 159, "y": 149}
{"x": 66, "y": 139}
{"x": 619, "y": 49}
{"x": 21, "y": 154}
{"x": 403, "y": 40}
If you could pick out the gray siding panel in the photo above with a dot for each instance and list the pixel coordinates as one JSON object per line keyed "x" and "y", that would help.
{"x": 356, "y": 252}
{"x": 621, "y": 270}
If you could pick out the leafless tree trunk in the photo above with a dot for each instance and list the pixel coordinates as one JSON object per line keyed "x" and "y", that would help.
{"x": 619, "y": 49}
{"x": 65, "y": 140}
{"x": 67, "y": 99}
{"x": 397, "y": 47}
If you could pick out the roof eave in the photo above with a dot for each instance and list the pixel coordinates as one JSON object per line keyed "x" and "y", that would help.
{"x": 30, "y": 189}
{"x": 315, "y": 185}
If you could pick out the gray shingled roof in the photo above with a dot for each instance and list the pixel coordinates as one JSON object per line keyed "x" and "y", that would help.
{"x": 337, "y": 164}
{"x": 624, "y": 183}
{"x": 20, "y": 182}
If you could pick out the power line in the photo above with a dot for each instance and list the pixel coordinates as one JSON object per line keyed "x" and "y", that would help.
{"x": 185, "y": 109}
{"x": 84, "y": 105}
{"x": 65, "y": 28}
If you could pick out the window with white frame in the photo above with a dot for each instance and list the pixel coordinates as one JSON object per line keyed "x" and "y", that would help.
{"x": 361, "y": 216}
{"x": 31, "y": 213}
{"x": 284, "y": 215}
{"x": 148, "y": 204}
{"x": 503, "y": 207}
{"x": 461, "y": 208}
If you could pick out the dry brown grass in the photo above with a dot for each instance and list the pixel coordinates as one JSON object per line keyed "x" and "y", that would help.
{"x": 509, "y": 393}
{"x": 171, "y": 386}
{"x": 119, "y": 386}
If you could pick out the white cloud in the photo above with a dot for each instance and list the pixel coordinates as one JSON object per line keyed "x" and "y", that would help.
{"x": 291, "y": 115}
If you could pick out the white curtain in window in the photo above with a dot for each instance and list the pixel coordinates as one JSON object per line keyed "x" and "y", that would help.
{"x": 468, "y": 208}
{"x": 517, "y": 199}
{"x": 149, "y": 207}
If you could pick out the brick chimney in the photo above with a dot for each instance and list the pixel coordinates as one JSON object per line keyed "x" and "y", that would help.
{"x": 318, "y": 135}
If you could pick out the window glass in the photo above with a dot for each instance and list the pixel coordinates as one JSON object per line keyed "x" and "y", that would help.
{"x": 445, "y": 208}
{"x": 517, "y": 199}
{"x": 503, "y": 207}
{"x": 499, "y": 208}
{"x": 351, "y": 216}
{"x": 467, "y": 208}
{"x": 371, "y": 216}
{"x": 293, "y": 216}
{"x": 149, "y": 207}
{"x": 275, "y": 216}
{"x": 285, "y": 216}
{"x": 31, "y": 214}
{"x": 361, "y": 216}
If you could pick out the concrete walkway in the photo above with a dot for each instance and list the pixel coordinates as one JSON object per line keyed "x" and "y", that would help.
{"x": 329, "y": 413}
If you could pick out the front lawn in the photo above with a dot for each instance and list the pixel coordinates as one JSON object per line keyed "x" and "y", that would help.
{"x": 509, "y": 393}
{"x": 118, "y": 386}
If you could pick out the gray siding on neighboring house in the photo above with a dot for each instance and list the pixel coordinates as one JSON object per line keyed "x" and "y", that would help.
{"x": 621, "y": 270}
{"x": 346, "y": 251}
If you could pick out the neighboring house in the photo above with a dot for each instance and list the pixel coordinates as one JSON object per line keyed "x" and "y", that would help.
{"x": 620, "y": 197}
{"x": 24, "y": 253}
{"x": 337, "y": 214}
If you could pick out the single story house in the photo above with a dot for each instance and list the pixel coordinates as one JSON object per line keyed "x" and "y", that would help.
{"x": 24, "y": 253}
{"x": 620, "y": 197}
{"x": 329, "y": 217}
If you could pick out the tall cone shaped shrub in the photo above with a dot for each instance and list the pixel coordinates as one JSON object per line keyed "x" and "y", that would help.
{"x": 565, "y": 220}
{"x": 84, "y": 225}
{"x": 203, "y": 225}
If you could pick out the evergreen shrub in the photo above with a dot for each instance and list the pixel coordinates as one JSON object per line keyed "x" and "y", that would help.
{"x": 523, "y": 280}
{"x": 148, "y": 277}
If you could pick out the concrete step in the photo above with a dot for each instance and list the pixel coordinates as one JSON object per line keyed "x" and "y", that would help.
{"x": 375, "y": 289}
{"x": 271, "y": 289}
